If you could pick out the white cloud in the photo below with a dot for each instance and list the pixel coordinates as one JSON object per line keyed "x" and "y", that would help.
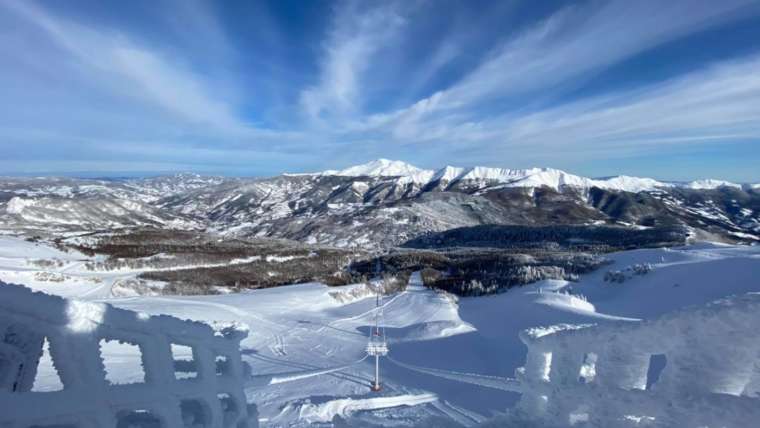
{"x": 717, "y": 103}
{"x": 576, "y": 40}
{"x": 711, "y": 105}
{"x": 355, "y": 37}
{"x": 122, "y": 67}
{"x": 568, "y": 47}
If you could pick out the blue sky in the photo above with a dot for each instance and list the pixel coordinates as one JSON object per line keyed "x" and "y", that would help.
{"x": 650, "y": 88}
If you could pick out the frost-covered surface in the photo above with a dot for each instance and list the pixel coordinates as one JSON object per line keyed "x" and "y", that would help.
{"x": 461, "y": 351}
{"x": 109, "y": 367}
{"x": 611, "y": 375}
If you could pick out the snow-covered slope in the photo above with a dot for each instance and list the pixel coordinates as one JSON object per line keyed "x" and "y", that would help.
{"x": 448, "y": 356}
{"x": 386, "y": 168}
{"x": 711, "y": 184}
{"x": 382, "y": 168}
{"x": 89, "y": 214}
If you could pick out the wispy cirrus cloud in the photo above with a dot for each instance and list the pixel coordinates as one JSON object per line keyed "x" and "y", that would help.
{"x": 355, "y": 37}
{"x": 717, "y": 103}
{"x": 566, "y": 48}
{"x": 125, "y": 68}
{"x": 578, "y": 40}
{"x": 392, "y": 79}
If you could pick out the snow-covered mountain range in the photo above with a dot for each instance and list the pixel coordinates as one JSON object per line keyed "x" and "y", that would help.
{"x": 381, "y": 203}
{"x": 533, "y": 177}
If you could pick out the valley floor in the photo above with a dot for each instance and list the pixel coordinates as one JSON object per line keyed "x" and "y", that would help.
{"x": 446, "y": 354}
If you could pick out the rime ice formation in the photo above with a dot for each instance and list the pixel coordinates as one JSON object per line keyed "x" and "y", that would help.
{"x": 201, "y": 389}
{"x": 604, "y": 376}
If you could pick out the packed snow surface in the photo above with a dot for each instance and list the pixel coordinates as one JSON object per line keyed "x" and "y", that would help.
{"x": 449, "y": 359}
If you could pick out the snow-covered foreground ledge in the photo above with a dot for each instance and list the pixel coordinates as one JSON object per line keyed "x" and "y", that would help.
{"x": 612, "y": 375}
{"x": 190, "y": 374}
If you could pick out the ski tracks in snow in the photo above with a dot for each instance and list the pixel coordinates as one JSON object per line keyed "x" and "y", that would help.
{"x": 495, "y": 382}
{"x": 278, "y": 346}
{"x": 363, "y": 314}
{"x": 458, "y": 414}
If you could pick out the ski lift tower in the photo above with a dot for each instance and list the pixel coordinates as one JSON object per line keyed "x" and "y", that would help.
{"x": 377, "y": 346}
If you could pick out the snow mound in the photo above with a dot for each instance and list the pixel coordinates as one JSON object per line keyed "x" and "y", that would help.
{"x": 566, "y": 301}
{"x": 325, "y": 412}
{"x": 429, "y": 331}
{"x": 351, "y": 293}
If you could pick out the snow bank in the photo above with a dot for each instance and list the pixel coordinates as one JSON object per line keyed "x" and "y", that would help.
{"x": 75, "y": 333}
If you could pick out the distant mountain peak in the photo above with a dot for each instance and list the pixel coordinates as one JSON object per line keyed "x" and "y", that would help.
{"x": 383, "y": 168}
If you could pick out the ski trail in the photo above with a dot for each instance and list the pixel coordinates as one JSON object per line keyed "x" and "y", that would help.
{"x": 276, "y": 378}
{"x": 458, "y": 414}
{"x": 228, "y": 308}
{"x": 70, "y": 266}
{"x": 278, "y": 347}
{"x": 92, "y": 292}
{"x": 239, "y": 312}
{"x": 357, "y": 378}
{"x": 365, "y": 314}
{"x": 495, "y": 382}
